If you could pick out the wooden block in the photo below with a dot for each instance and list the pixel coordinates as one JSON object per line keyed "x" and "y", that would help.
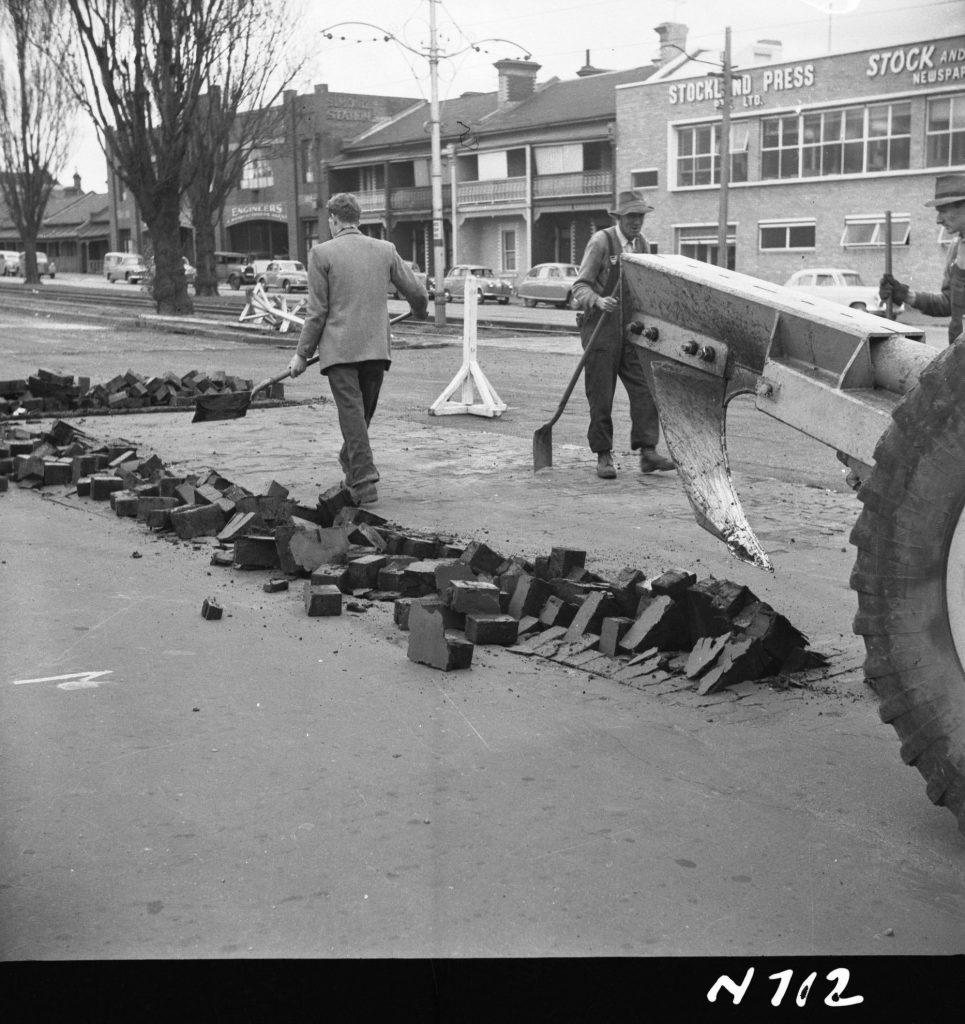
{"x": 332, "y": 574}
{"x": 562, "y": 560}
{"x": 256, "y": 552}
{"x": 364, "y": 571}
{"x": 211, "y": 609}
{"x": 482, "y": 558}
{"x": 703, "y": 654}
{"x": 473, "y": 597}
{"x": 590, "y": 615}
{"x": 322, "y": 600}
{"x": 275, "y": 586}
{"x": 497, "y": 629}
{"x": 528, "y": 597}
{"x": 672, "y": 583}
{"x": 662, "y": 624}
{"x": 431, "y": 643}
{"x": 557, "y": 612}
{"x": 612, "y": 631}
{"x": 548, "y": 637}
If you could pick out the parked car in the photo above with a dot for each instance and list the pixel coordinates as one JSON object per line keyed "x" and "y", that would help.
{"x": 837, "y": 285}
{"x": 421, "y": 276}
{"x": 549, "y": 282}
{"x": 9, "y": 262}
{"x": 128, "y": 266}
{"x": 289, "y": 275}
{"x": 45, "y": 267}
{"x": 488, "y": 284}
{"x": 233, "y": 269}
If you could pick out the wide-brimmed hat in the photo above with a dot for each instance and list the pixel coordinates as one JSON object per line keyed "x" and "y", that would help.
{"x": 629, "y": 202}
{"x": 949, "y": 188}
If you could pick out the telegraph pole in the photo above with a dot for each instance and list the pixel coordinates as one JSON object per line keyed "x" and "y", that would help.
{"x": 726, "y": 81}
{"x": 438, "y": 224}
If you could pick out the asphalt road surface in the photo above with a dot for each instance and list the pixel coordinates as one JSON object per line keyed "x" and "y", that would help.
{"x": 276, "y": 786}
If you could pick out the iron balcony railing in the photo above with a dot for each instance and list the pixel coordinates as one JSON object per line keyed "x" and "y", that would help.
{"x": 576, "y": 183}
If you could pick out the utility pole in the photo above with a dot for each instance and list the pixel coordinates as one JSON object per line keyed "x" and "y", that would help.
{"x": 438, "y": 224}
{"x": 726, "y": 82}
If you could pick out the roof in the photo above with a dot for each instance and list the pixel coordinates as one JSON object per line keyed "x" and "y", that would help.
{"x": 557, "y": 102}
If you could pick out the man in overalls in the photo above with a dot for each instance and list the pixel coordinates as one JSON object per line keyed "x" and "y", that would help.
{"x": 949, "y": 203}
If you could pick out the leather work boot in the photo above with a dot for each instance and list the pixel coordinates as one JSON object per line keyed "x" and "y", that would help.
{"x": 364, "y": 494}
{"x": 651, "y": 462}
{"x": 604, "y": 466}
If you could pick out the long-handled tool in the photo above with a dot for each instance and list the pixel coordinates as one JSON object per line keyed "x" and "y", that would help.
{"x": 890, "y": 307}
{"x": 543, "y": 437}
{"x": 232, "y": 405}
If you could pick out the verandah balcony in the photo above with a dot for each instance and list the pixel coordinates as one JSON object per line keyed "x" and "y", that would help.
{"x": 575, "y": 183}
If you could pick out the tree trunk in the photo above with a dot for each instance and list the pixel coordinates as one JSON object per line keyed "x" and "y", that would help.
{"x": 170, "y": 286}
{"x": 204, "y": 243}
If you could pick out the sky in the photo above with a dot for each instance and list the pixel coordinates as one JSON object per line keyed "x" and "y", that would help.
{"x": 619, "y": 34}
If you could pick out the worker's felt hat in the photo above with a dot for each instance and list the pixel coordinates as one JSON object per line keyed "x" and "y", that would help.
{"x": 949, "y": 188}
{"x": 630, "y": 202}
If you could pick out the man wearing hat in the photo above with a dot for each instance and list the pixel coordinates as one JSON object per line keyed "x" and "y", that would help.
{"x": 597, "y": 291}
{"x": 949, "y": 203}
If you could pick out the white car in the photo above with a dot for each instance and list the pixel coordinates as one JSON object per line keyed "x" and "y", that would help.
{"x": 8, "y": 262}
{"x": 837, "y": 285}
{"x": 289, "y": 275}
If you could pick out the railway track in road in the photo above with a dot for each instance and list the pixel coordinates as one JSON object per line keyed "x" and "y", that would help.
{"x": 115, "y": 304}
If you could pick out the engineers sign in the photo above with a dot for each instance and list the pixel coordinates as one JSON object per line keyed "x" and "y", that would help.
{"x": 256, "y": 211}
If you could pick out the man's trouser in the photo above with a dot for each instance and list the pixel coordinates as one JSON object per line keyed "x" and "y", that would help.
{"x": 355, "y": 388}
{"x": 610, "y": 358}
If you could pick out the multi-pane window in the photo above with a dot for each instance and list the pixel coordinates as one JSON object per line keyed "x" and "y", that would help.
{"x": 872, "y": 231}
{"x": 257, "y": 171}
{"x": 852, "y": 140}
{"x": 788, "y": 235}
{"x": 307, "y": 147}
{"x": 509, "y": 250}
{"x": 945, "y": 131}
{"x": 698, "y": 154}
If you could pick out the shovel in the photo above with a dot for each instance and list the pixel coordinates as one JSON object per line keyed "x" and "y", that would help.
{"x": 890, "y": 308}
{"x": 234, "y": 404}
{"x": 543, "y": 437}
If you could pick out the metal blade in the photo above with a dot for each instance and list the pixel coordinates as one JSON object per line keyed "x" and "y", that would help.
{"x": 692, "y": 414}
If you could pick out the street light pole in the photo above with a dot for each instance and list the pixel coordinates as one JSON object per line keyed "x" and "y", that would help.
{"x": 726, "y": 80}
{"x": 438, "y": 224}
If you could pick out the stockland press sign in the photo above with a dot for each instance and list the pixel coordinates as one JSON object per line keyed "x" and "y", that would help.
{"x": 255, "y": 211}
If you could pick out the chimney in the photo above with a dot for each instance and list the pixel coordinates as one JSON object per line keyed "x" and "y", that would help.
{"x": 76, "y": 182}
{"x": 517, "y": 80}
{"x": 588, "y": 68}
{"x": 673, "y": 40}
{"x": 767, "y": 51}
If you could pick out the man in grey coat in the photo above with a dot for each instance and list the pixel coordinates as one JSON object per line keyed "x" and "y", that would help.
{"x": 349, "y": 278}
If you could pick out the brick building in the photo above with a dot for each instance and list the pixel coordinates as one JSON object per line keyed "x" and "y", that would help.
{"x": 820, "y": 150}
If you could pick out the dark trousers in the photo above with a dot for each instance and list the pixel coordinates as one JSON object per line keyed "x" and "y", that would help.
{"x": 355, "y": 388}
{"x": 611, "y": 358}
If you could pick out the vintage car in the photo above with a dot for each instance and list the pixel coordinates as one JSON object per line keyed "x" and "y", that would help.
{"x": 234, "y": 269}
{"x": 837, "y": 285}
{"x": 45, "y": 267}
{"x": 551, "y": 283}
{"x": 128, "y": 267}
{"x": 488, "y": 285}
{"x": 289, "y": 275}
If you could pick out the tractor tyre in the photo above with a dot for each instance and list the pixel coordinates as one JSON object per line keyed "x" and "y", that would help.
{"x": 910, "y": 578}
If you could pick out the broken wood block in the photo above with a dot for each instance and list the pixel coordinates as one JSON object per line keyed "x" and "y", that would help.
{"x": 529, "y": 596}
{"x": 672, "y": 583}
{"x": 661, "y": 624}
{"x": 778, "y": 637}
{"x": 532, "y": 644}
{"x": 304, "y": 549}
{"x": 704, "y": 654}
{"x": 569, "y": 649}
{"x": 210, "y": 609}
{"x": 482, "y": 558}
{"x": 432, "y": 644}
{"x": 612, "y": 631}
{"x": 712, "y": 604}
{"x": 330, "y": 502}
{"x": 625, "y": 593}
{"x": 562, "y": 560}
{"x": 256, "y": 551}
{"x": 557, "y": 612}
{"x": 275, "y": 586}
{"x": 740, "y": 660}
{"x": 241, "y": 523}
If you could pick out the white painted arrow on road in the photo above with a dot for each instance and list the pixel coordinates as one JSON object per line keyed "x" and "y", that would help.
{"x": 70, "y": 681}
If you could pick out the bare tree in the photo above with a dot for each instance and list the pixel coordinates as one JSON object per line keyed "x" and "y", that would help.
{"x": 256, "y": 61}
{"x": 144, "y": 67}
{"x": 37, "y": 113}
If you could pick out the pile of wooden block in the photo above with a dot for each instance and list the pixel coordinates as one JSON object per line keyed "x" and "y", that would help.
{"x": 54, "y": 393}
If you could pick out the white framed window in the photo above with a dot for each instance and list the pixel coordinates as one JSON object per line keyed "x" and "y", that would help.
{"x": 698, "y": 154}
{"x": 869, "y": 232}
{"x": 648, "y": 177}
{"x": 778, "y": 236}
{"x": 508, "y": 246}
{"x": 945, "y": 131}
{"x": 257, "y": 171}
